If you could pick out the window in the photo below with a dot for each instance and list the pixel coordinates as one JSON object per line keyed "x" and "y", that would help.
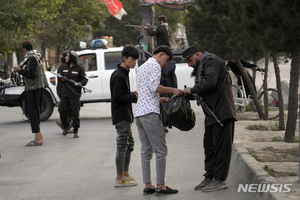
{"x": 88, "y": 62}
{"x": 112, "y": 59}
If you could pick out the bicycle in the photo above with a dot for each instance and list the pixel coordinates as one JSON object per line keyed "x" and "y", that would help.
{"x": 241, "y": 101}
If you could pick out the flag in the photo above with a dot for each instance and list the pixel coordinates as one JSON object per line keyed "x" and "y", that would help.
{"x": 115, "y": 7}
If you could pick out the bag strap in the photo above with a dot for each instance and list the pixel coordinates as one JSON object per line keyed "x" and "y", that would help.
{"x": 172, "y": 100}
{"x": 184, "y": 105}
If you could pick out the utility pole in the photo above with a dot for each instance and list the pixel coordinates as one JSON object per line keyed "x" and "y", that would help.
{"x": 148, "y": 18}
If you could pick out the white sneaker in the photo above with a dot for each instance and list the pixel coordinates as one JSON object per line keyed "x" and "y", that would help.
{"x": 129, "y": 178}
{"x": 124, "y": 183}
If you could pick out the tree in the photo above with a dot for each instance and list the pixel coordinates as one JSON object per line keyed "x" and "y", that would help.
{"x": 72, "y": 21}
{"x": 276, "y": 24}
{"x": 173, "y": 16}
{"x": 122, "y": 35}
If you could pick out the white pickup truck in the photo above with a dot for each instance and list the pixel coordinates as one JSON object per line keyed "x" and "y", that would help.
{"x": 99, "y": 63}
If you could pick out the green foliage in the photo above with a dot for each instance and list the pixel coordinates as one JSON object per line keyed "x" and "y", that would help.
{"x": 12, "y": 24}
{"x": 274, "y": 23}
{"x": 260, "y": 127}
{"x": 292, "y": 152}
{"x": 125, "y": 35}
{"x": 292, "y": 174}
{"x": 50, "y": 23}
{"x": 258, "y": 159}
{"x": 293, "y": 140}
{"x": 277, "y": 139}
{"x": 72, "y": 21}
{"x": 271, "y": 126}
{"x": 173, "y": 16}
{"x": 215, "y": 26}
{"x": 113, "y": 27}
{"x": 270, "y": 171}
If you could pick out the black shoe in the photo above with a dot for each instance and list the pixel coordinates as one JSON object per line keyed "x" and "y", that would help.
{"x": 76, "y": 135}
{"x": 65, "y": 132}
{"x": 148, "y": 191}
{"x": 167, "y": 191}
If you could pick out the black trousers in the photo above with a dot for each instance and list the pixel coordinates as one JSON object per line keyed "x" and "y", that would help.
{"x": 33, "y": 102}
{"x": 217, "y": 149}
{"x": 72, "y": 103}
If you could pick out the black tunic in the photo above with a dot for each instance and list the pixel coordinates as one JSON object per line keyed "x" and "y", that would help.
{"x": 75, "y": 73}
{"x": 121, "y": 97}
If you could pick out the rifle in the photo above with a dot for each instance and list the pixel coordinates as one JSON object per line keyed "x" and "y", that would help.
{"x": 85, "y": 90}
{"x": 206, "y": 108}
{"x": 141, "y": 26}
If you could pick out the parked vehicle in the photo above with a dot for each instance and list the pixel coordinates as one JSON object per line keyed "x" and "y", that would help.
{"x": 99, "y": 63}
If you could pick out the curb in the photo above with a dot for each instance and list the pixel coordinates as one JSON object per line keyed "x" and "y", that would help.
{"x": 254, "y": 173}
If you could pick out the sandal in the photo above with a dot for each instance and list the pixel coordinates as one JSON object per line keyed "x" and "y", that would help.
{"x": 33, "y": 143}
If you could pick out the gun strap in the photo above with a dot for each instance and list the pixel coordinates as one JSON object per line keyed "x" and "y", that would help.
{"x": 72, "y": 89}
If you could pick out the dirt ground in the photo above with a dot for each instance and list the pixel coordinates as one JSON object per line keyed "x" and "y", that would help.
{"x": 281, "y": 157}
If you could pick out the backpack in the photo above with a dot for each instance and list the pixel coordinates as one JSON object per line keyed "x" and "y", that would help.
{"x": 178, "y": 112}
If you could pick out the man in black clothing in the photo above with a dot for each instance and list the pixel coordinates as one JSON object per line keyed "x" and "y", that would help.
{"x": 34, "y": 84}
{"x": 62, "y": 63}
{"x": 213, "y": 84}
{"x": 59, "y": 85}
{"x": 168, "y": 77}
{"x": 70, "y": 94}
{"x": 162, "y": 32}
{"x": 122, "y": 117}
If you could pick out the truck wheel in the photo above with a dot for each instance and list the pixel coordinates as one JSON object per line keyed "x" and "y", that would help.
{"x": 46, "y": 109}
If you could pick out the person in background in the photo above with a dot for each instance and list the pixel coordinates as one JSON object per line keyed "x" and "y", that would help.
{"x": 213, "y": 84}
{"x": 34, "y": 85}
{"x": 122, "y": 117}
{"x": 70, "y": 94}
{"x": 168, "y": 79}
{"x": 45, "y": 64}
{"x": 162, "y": 32}
{"x": 148, "y": 119}
{"x": 59, "y": 87}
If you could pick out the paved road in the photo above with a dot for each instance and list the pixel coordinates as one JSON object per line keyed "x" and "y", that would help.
{"x": 84, "y": 168}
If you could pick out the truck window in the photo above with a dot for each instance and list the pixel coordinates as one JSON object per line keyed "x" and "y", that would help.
{"x": 88, "y": 62}
{"x": 112, "y": 59}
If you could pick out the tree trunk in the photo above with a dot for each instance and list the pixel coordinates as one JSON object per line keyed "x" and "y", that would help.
{"x": 280, "y": 95}
{"x": 265, "y": 87}
{"x": 251, "y": 87}
{"x": 254, "y": 81}
{"x": 254, "y": 72}
{"x": 293, "y": 98}
{"x": 43, "y": 50}
{"x": 8, "y": 66}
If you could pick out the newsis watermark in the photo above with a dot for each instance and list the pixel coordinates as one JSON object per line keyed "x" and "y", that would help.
{"x": 264, "y": 187}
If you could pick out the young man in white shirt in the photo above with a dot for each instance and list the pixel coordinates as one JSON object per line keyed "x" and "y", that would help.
{"x": 148, "y": 119}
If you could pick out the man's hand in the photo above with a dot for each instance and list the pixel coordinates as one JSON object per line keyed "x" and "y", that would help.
{"x": 177, "y": 92}
{"x": 136, "y": 94}
{"x": 17, "y": 69}
{"x": 187, "y": 91}
{"x": 164, "y": 100}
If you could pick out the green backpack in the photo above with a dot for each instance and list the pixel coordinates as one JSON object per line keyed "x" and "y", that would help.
{"x": 178, "y": 112}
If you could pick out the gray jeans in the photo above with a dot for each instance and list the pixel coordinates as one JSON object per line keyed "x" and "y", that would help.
{"x": 125, "y": 145}
{"x": 153, "y": 139}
